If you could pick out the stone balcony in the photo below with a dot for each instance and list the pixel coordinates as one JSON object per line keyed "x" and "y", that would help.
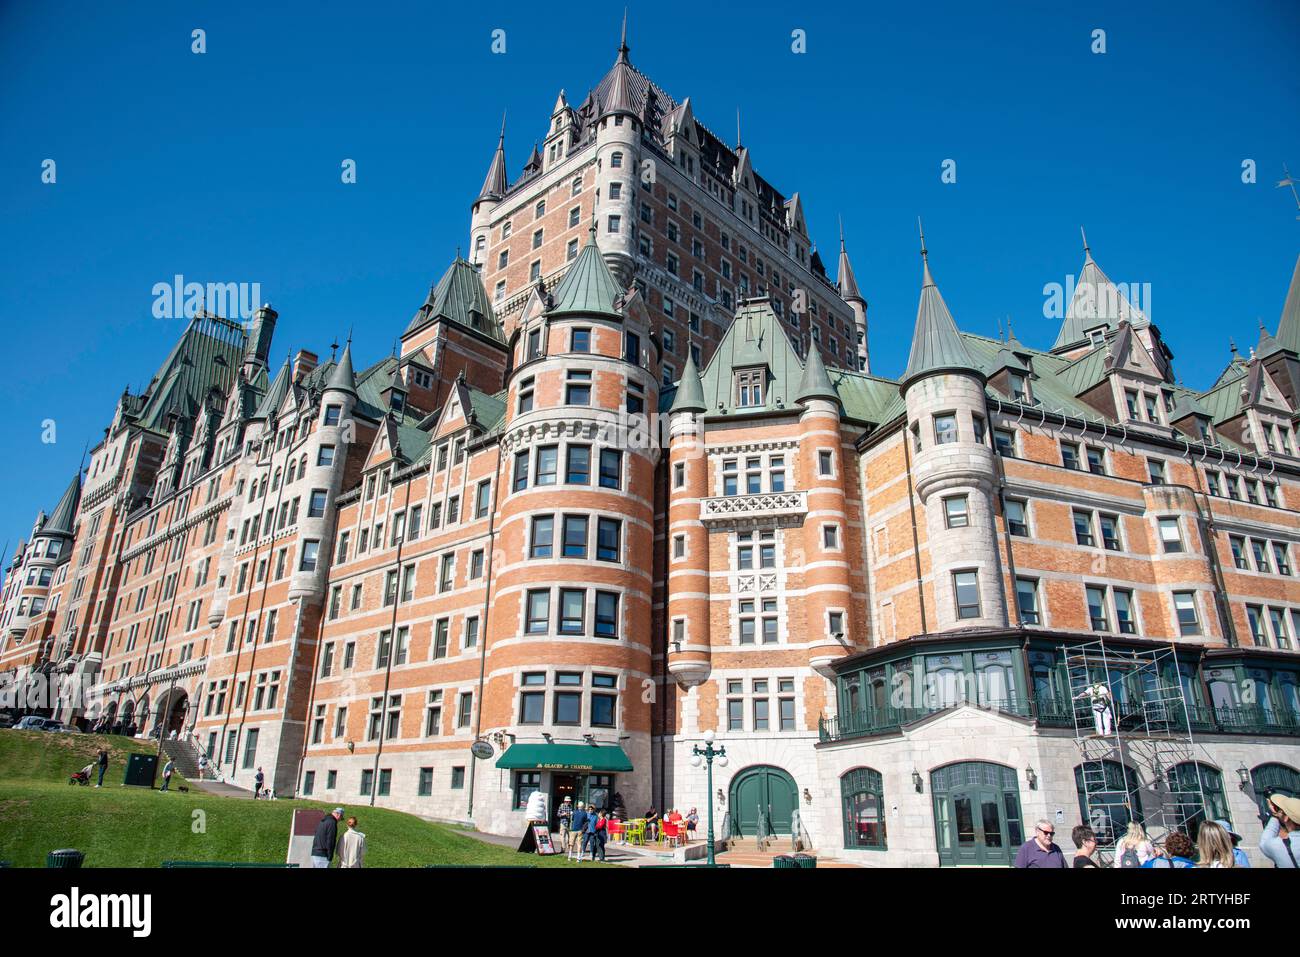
{"x": 740, "y": 511}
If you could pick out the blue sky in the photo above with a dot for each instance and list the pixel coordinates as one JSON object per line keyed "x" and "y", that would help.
{"x": 225, "y": 166}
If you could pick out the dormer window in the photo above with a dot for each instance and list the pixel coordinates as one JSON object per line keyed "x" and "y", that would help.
{"x": 1096, "y": 336}
{"x": 1019, "y": 386}
{"x": 397, "y": 401}
{"x": 749, "y": 388}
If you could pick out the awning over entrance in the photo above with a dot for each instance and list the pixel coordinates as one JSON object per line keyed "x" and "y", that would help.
{"x": 565, "y": 757}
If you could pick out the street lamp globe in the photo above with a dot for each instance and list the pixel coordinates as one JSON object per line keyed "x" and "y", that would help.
{"x": 722, "y": 761}
{"x": 708, "y": 736}
{"x": 696, "y": 761}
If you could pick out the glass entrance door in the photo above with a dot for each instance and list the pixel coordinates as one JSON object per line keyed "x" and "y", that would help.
{"x": 976, "y": 814}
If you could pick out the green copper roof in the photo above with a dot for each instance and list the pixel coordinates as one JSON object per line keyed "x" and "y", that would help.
{"x": 588, "y": 287}
{"x": 341, "y": 377}
{"x": 61, "y": 519}
{"x": 815, "y": 383}
{"x": 274, "y": 397}
{"x": 207, "y": 356}
{"x": 690, "y": 390}
{"x": 754, "y": 339}
{"x": 936, "y": 344}
{"x": 1096, "y": 302}
{"x": 1288, "y": 327}
{"x": 458, "y": 297}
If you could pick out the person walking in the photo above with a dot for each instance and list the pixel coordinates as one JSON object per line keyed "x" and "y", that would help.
{"x": 1040, "y": 850}
{"x": 352, "y": 846}
{"x": 327, "y": 834}
{"x": 578, "y": 831}
{"x": 1134, "y": 849}
{"x": 258, "y": 778}
{"x": 168, "y": 768}
{"x": 101, "y": 761}
{"x": 203, "y": 765}
{"x": 1085, "y": 839}
{"x": 1279, "y": 842}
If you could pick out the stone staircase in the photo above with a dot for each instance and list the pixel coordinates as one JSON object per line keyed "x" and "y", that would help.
{"x": 186, "y": 759}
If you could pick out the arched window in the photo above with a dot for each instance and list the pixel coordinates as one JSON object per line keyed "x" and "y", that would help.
{"x": 1191, "y": 810}
{"x": 1270, "y": 778}
{"x": 863, "y": 794}
{"x": 616, "y": 160}
{"x": 1108, "y": 798}
{"x": 275, "y": 481}
{"x": 293, "y": 468}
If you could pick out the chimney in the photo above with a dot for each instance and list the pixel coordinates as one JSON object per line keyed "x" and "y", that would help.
{"x": 258, "y": 345}
{"x": 303, "y": 363}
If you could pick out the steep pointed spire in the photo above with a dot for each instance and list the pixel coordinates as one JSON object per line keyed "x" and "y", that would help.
{"x": 561, "y": 104}
{"x": 495, "y": 183}
{"x": 623, "y": 48}
{"x": 61, "y": 519}
{"x": 1087, "y": 253}
{"x": 844, "y": 279}
{"x": 1288, "y": 327}
{"x": 936, "y": 343}
{"x": 1096, "y": 302}
{"x": 278, "y": 389}
{"x": 341, "y": 377}
{"x": 690, "y": 390}
{"x": 815, "y": 383}
{"x": 588, "y": 287}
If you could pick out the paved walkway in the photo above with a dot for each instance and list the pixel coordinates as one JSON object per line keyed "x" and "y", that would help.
{"x": 218, "y": 788}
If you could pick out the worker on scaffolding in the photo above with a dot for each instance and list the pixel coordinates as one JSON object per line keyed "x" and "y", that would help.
{"x": 1103, "y": 712}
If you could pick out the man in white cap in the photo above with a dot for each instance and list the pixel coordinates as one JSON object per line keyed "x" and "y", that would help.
{"x": 565, "y": 815}
{"x": 1279, "y": 842}
{"x": 327, "y": 834}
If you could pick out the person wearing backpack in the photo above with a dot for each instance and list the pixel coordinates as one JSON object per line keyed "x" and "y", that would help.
{"x": 1280, "y": 842}
{"x": 1133, "y": 849}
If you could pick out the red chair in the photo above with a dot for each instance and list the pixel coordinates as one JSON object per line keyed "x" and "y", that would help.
{"x": 670, "y": 832}
{"x": 615, "y": 829}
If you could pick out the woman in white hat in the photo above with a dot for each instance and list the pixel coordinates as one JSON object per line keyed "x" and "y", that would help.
{"x": 1279, "y": 842}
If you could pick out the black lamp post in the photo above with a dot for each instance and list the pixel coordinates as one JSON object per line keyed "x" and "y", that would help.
{"x": 705, "y": 756}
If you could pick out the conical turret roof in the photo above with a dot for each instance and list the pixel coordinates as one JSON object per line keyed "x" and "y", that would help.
{"x": 690, "y": 390}
{"x": 844, "y": 279}
{"x": 341, "y": 377}
{"x": 815, "y": 383}
{"x": 495, "y": 183}
{"x": 1288, "y": 327}
{"x": 936, "y": 344}
{"x": 588, "y": 287}
{"x": 61, "y": 519}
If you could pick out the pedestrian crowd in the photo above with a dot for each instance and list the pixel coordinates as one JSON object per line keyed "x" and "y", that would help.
{"x": 1215, "y": 845}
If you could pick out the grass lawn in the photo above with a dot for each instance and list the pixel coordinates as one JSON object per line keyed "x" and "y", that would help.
{"x": 130, "y": 827}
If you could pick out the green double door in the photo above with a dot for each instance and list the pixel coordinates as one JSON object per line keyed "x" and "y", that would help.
{"x": 977, "y": 816}
{"x": 763, "y": 794}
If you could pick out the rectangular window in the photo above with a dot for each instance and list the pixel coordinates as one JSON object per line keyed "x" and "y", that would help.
{"x": 575, "y": 536}
{"x": 1097, "y": 608}
{"x": 955, "y": 514}
{"x": 1170, "y": 537}
{"x": 310, "y": 549}
{"x": 539, "y": 612}
{"x": 1070, "y": 455}
{"x": 609, "y": 533}
{"x": 945, "y": 428}
{"x": 611, "y": 468}
{"x": 1124, "y": 619}
{"x": 1083, "y": 528}
{"x": 966, "y": 592}
{"x": 577, "y": 465}
{"x": 548, "y": 465}
{"x": 458, "y": 772}
{"x": 440, "y": 630}
{"x": 1155, "y": 472}
{"x": 1013, "y": 510}
{"x": 1185, "y": 607}
{"x": 1004, "y": 440}
{"x": 1109, "y": 531}
{"x": 1096, "y": 460}
{"x": 577, "y": 387}
{"x": 1027, "y": 601}
{"x": 542, "y": 538}
{"x": 482, "y": 499}
{"x": 606, "y": 614}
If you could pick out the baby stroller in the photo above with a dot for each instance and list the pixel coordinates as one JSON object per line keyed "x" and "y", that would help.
{"x": 82, "y": 777}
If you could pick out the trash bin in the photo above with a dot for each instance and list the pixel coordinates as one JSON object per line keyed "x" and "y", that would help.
{"x": 805, "y": 860}
{"x": 784, "y": 860}
{"x": 67, "y": 857}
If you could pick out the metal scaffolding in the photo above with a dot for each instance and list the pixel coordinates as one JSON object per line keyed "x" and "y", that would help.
{"x": 1148, "y": 730}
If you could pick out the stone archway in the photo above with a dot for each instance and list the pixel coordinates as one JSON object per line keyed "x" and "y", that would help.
{"x": 170, "y": 712}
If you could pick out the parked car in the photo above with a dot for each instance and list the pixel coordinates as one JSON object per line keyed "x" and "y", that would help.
{"x": 7, "y": 722}
{"x": 35, "y": 723}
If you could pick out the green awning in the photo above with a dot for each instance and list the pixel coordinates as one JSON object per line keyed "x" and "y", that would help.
{"x": 565, "y": 757}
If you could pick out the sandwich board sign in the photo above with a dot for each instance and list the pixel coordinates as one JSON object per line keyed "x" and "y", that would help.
{"x": 538, "y": 838}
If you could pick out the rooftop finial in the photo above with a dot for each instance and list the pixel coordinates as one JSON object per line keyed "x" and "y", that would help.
{"x": 1232, "y": 345}
{"x": 927, "y": 280}
{"x": 622, "y": 43}
{"x": 1087, "y": 253}
{"x": 739, "y": 141}
{"x": 841, "y": 219}
{"x": 999, "y": 322}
